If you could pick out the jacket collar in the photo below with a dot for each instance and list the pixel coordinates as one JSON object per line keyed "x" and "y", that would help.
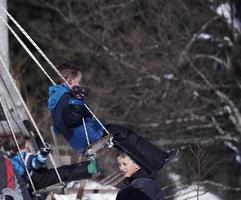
{"x": 138, "y": 174}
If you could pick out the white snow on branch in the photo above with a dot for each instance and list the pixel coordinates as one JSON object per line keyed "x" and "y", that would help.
{"x": 204, "y": 36}
{"x": 228, "y": 40}
{"x": 195, "y": 94}
{"x": 236, "y": 150}
{"x": 224, "y": 10}
{"x": 168, "y": 76}
{"x": 231, "y": 146}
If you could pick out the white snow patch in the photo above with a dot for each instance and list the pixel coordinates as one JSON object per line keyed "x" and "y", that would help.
{"x": 227, "y": 39}
{"x": 238, "y": 158}
{"x": 225, "y": 11}
{"x": 190, "y": 192}
{"x": 175, "y": 177}
{"x": 195, "y": 94}
{"x": 169, "y": 76}
{"x": 110, "y": 193}
{"x": 204, "y": 36}
{"x": 231, "y": 146}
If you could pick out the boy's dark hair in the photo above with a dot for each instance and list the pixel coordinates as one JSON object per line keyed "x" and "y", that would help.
{"x": 10, "y": 145}
{"x": 123, "y": 154}
{"x": 68, "y": 70}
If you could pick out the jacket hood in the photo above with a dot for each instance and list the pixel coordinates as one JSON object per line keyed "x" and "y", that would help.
{"x": 55, "y": 93}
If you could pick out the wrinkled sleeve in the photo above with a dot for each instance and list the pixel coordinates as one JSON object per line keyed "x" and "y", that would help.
{"x": 74, "y": 113}
{"x": 38, "y": 161}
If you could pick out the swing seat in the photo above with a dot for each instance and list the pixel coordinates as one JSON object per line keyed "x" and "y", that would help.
{"x": 104, "y": 143}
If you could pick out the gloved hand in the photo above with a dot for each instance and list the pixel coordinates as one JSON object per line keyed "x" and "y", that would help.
{"x": 93, "y": 167}
{"x": 78, "y": 92}
{"x": 45, "y": 150}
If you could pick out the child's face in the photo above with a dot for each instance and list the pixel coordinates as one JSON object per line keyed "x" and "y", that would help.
{"x": 76, "y": 80}
{"x": 127, "y": 166}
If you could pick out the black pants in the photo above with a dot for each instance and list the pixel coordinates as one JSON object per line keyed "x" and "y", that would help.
{"x": 45, "y": 177}
{"x": 144, "y": 153}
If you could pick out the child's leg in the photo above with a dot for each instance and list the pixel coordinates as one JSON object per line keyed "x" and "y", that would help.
{"x": 45, "y": 177}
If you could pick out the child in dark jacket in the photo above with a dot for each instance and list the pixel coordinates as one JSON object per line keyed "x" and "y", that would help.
{"x": 36, "y": 165}
{"x": 67, "y": 105}
{"x": 137, "y": 183}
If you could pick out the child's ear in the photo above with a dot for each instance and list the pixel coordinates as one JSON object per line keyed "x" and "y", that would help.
{"x": 69, "y": 80}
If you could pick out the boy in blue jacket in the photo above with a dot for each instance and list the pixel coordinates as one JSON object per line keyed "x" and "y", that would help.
{"x": 66, "y": 103}
{"x": 36, "y": 164}
{"x": 67, "y": 106}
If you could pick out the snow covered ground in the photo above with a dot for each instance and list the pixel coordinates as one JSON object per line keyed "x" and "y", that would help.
{"x": 190, "y": 192}
{"x": 109, "y": 192}
{"x": 104, "y": 192}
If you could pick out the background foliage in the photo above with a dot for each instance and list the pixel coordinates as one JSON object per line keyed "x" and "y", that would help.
{"x": 169, "y": 69}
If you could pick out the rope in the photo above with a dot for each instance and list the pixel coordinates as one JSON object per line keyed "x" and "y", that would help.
{"x": 29, "y": 115}
{"x": 15, "y": 140}
{"x": 97, "y": 119}
{"x": 86, "y": 133}
{"x": 27, "y": 50}
{"x": 33, "y": 43}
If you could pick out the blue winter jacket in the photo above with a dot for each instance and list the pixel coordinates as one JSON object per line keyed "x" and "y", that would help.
{"x": 67, "y": 113}
{"x": 32, "y": 161}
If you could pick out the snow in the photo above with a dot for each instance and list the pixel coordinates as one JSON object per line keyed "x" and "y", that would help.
{"x": 169, "y": 76}
{"x": 225, "y": 11}
{"x": 228, "y": 40}
{"x": 110, "y": 193}
{"x": 236, "y": 150}
{"x": 204, "y": 36}
{"x": 195, "y": 94}
{"x": 189, "y": 192}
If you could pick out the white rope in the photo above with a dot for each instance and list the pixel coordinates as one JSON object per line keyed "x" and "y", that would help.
{"x": 97, "y": 119}
{"x": 33, "y": 43}
{"x": 27, "y": 50}
{"x": 29, "y": 114}
{"x": 15, "y": 140}
{"x": 86, "y": 133}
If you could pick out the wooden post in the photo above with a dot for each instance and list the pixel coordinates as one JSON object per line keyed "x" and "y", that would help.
{"x": 4, "y": 48}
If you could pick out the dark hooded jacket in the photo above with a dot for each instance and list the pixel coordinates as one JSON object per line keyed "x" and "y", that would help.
{"x": 67, "y": 113}
{"x": 140, "y": 186}
{"x": 144, "y": 153}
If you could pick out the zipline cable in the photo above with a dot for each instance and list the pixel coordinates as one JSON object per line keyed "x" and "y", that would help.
{"x": 29, "y": 115}
{"x": 15, "y": 140}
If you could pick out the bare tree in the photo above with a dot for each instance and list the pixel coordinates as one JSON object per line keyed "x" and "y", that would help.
{"x": 171, "y": 70}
